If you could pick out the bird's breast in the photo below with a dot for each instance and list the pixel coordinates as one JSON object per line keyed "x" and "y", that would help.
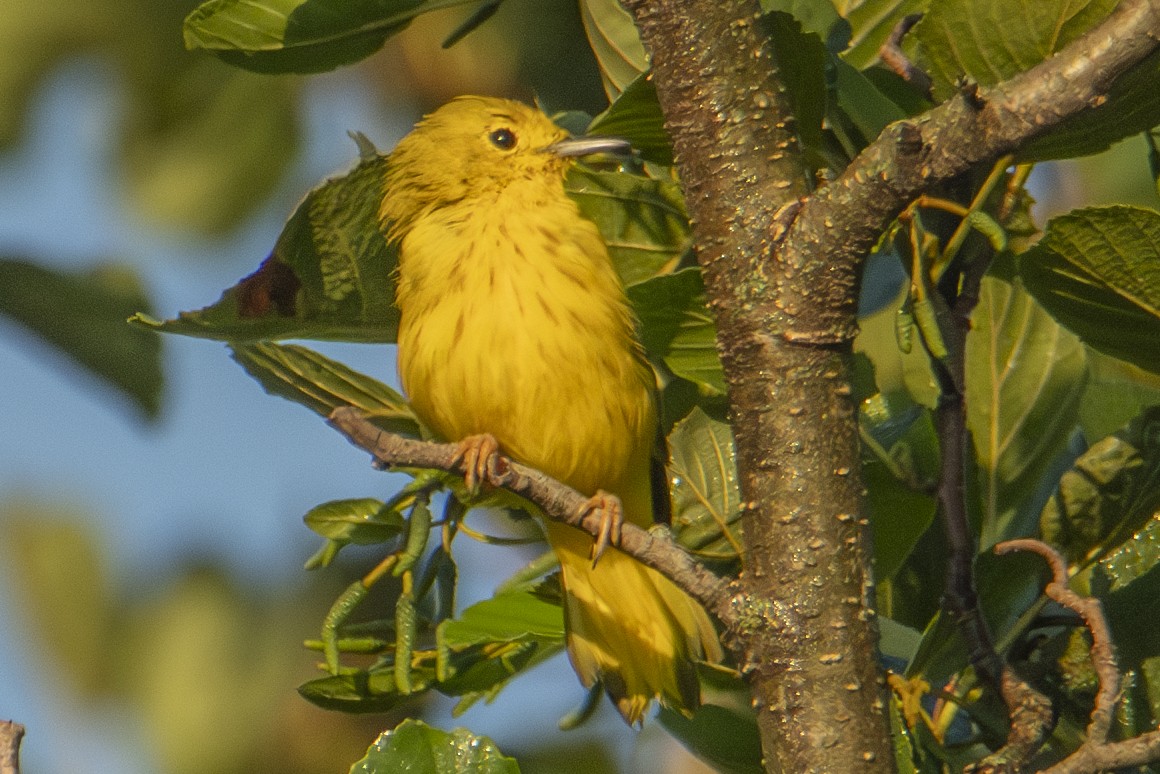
{"x": 516, "y": 325}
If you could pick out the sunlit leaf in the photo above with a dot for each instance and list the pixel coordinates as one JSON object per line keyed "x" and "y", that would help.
{"x": 416, "y": 748}
{"x": 301, "y": 36}
{"x": 1025, "y": 376}
{"x": 706, "y": 498}
{"x": 329, "y": 276}
{"x": 642, "y": 220}
{"x": 83, "y": 315}
{"x": 676, "y": 326}
{"x": 322, "y": 385}
{"x": 1097, "y": 271}
{"x": 615, "y": 42}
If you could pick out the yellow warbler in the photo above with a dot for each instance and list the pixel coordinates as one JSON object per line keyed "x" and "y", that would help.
{"x": 515, "y": 325}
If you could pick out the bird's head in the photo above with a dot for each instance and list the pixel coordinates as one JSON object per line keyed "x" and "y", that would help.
{"x": 476, "y": 147}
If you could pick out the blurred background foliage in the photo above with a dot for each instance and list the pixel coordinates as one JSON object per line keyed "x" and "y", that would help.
{"x": 153, "y": 593}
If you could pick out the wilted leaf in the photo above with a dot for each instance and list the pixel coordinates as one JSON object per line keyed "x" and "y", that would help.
{"x": 615, "y": 42}
{"x": 1025, "y": 376}
{"x": 676, "y": 326}
{"x": 83, "y": 315}
{"x": 416, "y": 748}
{"x": 1097, "y": 271}
{"x": 329, "y": 276}
{"x": 642, "y": 220}
{"x": 706, "y": 498}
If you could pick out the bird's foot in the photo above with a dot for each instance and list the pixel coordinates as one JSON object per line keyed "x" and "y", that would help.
{"x": 480, "y": 460}
{"x": 611, "y": 521}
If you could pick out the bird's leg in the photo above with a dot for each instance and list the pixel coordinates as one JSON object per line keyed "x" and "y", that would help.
{"x": 479, "y": 457}
{"x": 611, "y": 520}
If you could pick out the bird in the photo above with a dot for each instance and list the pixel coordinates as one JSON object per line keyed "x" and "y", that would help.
{"x": 516, "y": 337}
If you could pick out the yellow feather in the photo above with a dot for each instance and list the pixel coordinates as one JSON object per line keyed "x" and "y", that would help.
{"x": 514, "y": 323}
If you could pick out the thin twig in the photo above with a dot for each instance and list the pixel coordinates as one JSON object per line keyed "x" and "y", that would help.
{"x": 893, "y": 57}
{"x": 655, "y": 548}
{"x": 1096, "y": 753}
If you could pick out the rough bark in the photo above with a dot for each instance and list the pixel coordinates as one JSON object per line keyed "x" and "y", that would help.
{"x": 783, "y": 283}
{"x": 805, "y": 637}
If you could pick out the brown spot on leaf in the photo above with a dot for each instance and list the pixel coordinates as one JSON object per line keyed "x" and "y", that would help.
{"x": 273, "y": 288}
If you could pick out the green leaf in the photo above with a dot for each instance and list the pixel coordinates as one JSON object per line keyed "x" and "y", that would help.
{"x": 300, "y": 36}
{"x": 818, "y": 17}
{"x": 706, "y": 498}
{"x": 991, "y": 40}
{"x": 1025, "y": 376}
{"x": 1111, "y": 490}
{"x": 362, "y": 521}
{"x": 362, "y": 692}
{"x": 725, "y": 737}
{"x": 199, "y": 144}
{"x": 1132, "y": 575}
{"x": 83, "y": 315}
{"x": 899, "y": 468}
{"x": 677, "y": 327}
{"x": 494, "y": 640}
{"x": 615, "y": 42}
{"x": 871, "y": 22}
{"x": 416, "y": 748}
{"x": 320, "y": 384}
{"x": 67, "y": 604}
{"x": 205, "y": 144}
{"x": 636, "y": 115}
{"x": 803, "y": 72}
{"x": 895, "y": 371}
{"x": 329, "y": 276}
{"x": 642, "y": 220}
{"x": 1097, "y": 271}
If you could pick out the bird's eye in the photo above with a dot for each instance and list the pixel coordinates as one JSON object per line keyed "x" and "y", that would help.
{"x": 504, "y": 139}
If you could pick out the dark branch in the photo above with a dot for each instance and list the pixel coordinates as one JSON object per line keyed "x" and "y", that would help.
{"x": 655, "y": 548}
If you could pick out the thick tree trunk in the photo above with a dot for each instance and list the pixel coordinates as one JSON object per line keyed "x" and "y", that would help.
{"x": 805, "y": 631}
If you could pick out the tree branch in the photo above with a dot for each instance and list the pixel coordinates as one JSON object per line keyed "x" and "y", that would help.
{"x": 842, "y": 221}
{"x": 1096, "y": 753}
{"x": 655, "y": 548}
{"x": 11, "y": 733}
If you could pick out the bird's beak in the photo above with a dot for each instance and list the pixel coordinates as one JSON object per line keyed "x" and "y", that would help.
{"x": 586, "y": 146}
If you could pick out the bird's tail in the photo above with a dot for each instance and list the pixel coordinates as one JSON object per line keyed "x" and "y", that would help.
{"x": 631, "y": 628}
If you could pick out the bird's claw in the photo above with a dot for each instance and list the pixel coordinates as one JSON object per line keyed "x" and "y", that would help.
{"x": 611, "y": 521}
{"x": 479, "y": 458}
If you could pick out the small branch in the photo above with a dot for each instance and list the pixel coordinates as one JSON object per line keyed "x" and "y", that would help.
{"x": 11, "y": 733}
{"x": 655, "y": 548}
{"x": 892, "y": 56}
{"x": 1096, "y": 753}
